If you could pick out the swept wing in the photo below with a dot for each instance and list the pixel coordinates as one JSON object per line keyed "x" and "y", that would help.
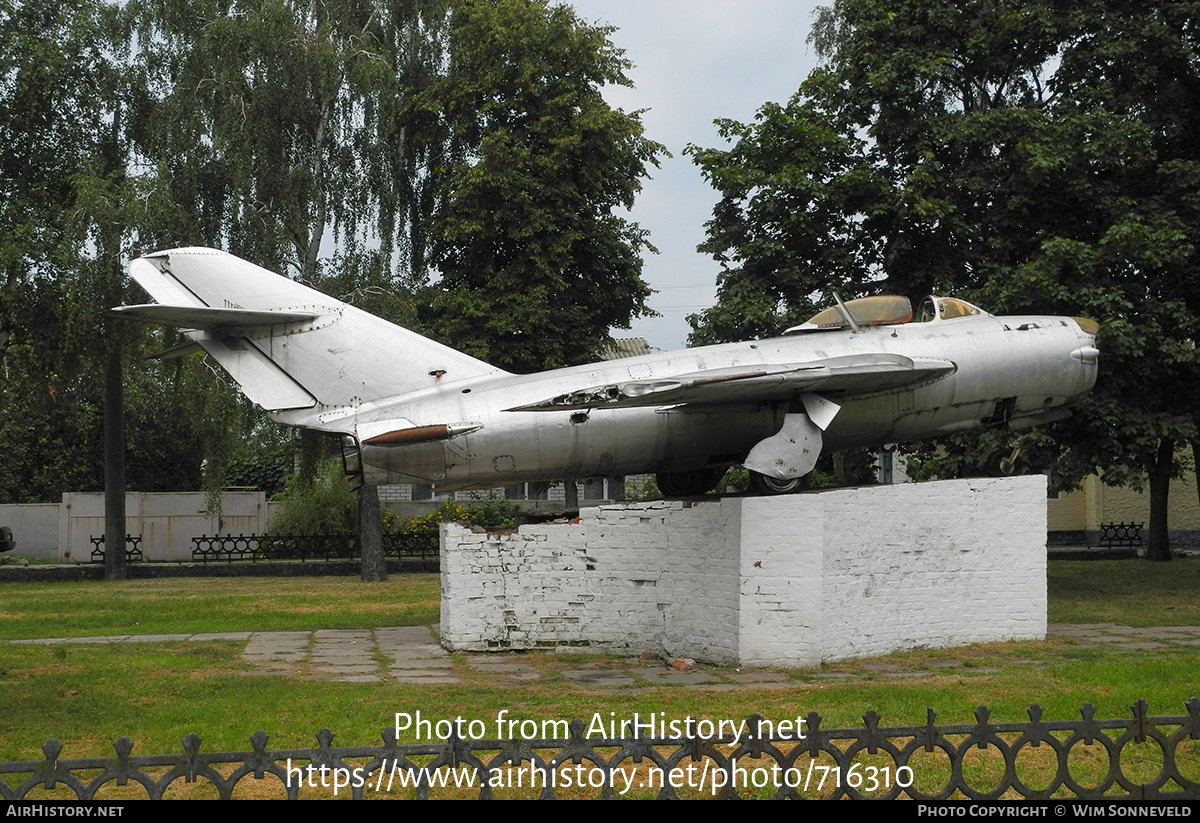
{"x": 846, "y": 375}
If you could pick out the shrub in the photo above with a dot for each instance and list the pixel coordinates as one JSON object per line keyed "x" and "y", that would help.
{"x": 324, "y": 505}
{"x": 642, "y": 491}
{"x": 492, "y": 513}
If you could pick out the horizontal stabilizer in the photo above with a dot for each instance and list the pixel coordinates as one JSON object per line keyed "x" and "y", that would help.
{"x": 229, "y": 321}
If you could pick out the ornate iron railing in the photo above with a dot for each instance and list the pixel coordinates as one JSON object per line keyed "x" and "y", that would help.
{"x": 229, "y": 548}
{"x": 1141, "y": 757}
{"x": 133, "y": 548}
{"x": 1128, "y": 535}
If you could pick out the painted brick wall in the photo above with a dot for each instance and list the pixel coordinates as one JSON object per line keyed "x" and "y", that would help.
{"x": 627, "y": 578}
{"x": 874, "y": 570}
{"x": 762, "y": 581}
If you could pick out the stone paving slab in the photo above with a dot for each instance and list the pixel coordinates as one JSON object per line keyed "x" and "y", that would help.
{"x": 258, "y": 657}
{"x": 339, "y": 655}
{"x": 222, "y": 636}
{"x": 357, "y": 667}
{"x": 496, "y": 666}
{"x": 411, "y": 654}
{"x": 116, "y": 638}
{"x": 344, "y": 655}
{"x": 670, "y": 677}
{"x": 283, "y": 635}
{"x": 599, "y": 677}
{"x": 415, "y": 656}
{"x": 905, "y": 675}
{"x": 1099, "y": 635}
{"x": 757, "y": 678}
{"x": 430, "y": 680}
{"x": 409, "y": 635}
{"x": 419, "y": 649}
{"x": 403, "y": 664}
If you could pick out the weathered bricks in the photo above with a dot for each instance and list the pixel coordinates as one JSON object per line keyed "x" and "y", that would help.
{"x": 762, "y": 581}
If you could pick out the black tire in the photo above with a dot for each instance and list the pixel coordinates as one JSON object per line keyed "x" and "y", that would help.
{"x": 1001, "y": 464}
{"x": 766, "y": 486}
{"x": 689, "y": 483}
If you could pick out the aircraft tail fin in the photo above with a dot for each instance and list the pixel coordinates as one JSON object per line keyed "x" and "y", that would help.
{"x": 288, "y": 346}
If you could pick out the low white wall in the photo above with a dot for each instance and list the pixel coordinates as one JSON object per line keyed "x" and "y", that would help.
{"x": 166, "y": 521}
{"x": 35, "y": 528}
{"x": 780, "y": 581}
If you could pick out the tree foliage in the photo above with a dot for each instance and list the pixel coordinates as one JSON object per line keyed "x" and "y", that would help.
{"x": 370, "y": 148}
{"x": 75, "y": 204}
{"x": 270, "y": 124}
{"x": 1034, "y": 156}
{"x": 322, "y": 505}
{"x": 535, "y": 267}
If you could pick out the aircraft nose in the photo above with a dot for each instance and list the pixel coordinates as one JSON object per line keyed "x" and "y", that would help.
{"x": 1089, "y": 354}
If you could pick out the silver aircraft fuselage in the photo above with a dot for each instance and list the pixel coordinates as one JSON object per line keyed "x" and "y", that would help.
{"x": 1020, "y": 371}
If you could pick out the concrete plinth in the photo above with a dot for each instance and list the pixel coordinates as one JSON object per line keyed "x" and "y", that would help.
{"x": 779, "y": 581}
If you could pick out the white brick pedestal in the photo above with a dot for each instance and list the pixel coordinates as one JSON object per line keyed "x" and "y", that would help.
{"x": 762, "y": 581}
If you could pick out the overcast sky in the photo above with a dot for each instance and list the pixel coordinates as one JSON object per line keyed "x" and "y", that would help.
{"x": 695, "y": 61}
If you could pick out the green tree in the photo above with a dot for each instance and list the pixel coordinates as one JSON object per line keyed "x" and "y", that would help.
{"x": 1033, "y": 156}
{"x": 57, "y": 86}
{"x": 800, "y": 202}
{"x": 535, "y": 266}
{"x": 76, "y": 199}
{"x": 271, "y": 128}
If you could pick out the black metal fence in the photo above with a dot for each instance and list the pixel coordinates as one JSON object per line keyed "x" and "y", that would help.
{"x": 229, "y": 548}
{"x": 1141, "y": 757}
{"x": 133, "y": 548}
{"x": 1123, "y": 535}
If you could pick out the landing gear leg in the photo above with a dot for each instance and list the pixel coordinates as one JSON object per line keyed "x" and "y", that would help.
{"x": 1003, "y": 463}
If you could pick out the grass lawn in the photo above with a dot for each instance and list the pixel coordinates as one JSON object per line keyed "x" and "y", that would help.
{"x": 155, "y": 693}
{"x": 195, "y": 605}
{"x": 1125, "y": 592}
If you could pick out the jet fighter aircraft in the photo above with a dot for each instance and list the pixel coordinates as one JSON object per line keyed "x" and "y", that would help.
{"x": 411, "y": 410}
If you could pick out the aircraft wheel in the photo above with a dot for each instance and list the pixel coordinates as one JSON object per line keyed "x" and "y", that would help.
{"x": 766, "y": 485}
{"x": 690, "y": 483}
{"x": 1002, "y": 464}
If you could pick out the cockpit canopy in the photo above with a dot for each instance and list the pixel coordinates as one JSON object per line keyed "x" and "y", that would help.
{"x": 884, "y": 310}
{"x": 946, "y": 308}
